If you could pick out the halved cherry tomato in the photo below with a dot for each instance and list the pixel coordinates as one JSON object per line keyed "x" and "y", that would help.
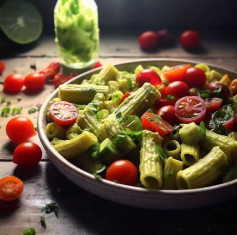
{"x": 11, "y": 188}
{"x": 123, "y": 172}
{"x": 34, "y": 82}
{"x": 63, "y": 113}
{"x": 176, "y": 73}
{"x": 27, "y": 154}
{"x": 190, "y": 39}
{"x": 20, "y": 129}
{"x": 229, "y": 125}
{"x": 168, "y": 114}
{"x": 61, "y": 78}
{"x": 97, "y": 65}
{"x": 213, "y": 104}
{"x": 13, "y": 83}
{"x": 177, "y": 89}
{"x": 124, "y": 97}
{"x": 155, "y": 123}
{"x": 148, "y": 40}
{"x": 2, "y": 67}
{"x": 51, "y": 70}
{"x": 195, "y": 77}
{"x": 148, "y": 75}
{"x": 190, "y": 109}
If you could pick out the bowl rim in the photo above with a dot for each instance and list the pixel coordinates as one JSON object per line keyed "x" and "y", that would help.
{"x": 46, "y": 144}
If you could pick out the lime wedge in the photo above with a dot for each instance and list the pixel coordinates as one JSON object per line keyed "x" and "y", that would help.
{"x": 21, "y": 21}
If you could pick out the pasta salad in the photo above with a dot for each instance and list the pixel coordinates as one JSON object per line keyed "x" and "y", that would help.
{"x": 157, "y": 128}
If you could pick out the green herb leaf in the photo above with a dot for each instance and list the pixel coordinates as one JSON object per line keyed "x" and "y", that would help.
{"x": 118, "y": 114}
{"x": 3, "y": 99}
{"x": 130, "y": 86}
{"x": 161, "y": 153}
{"x": 32, "y": 110}
{"x": 98, "y": 173}
{"x": 30, "y": 231}
{"x": 204, "y": 94}
{"x": 5, "y": 112}
{"x": 202, "y": 128}
{"x": 51, "y": 207}
{"x": 116, "y": 97}
{"x": 16, "y": 111}
{"x": 42, "y": 222}
{"x": 9, "y": 103}
{"x": 170, "y": 97}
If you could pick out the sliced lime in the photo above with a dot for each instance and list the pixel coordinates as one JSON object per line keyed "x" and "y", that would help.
{"x": 21, "y": 21}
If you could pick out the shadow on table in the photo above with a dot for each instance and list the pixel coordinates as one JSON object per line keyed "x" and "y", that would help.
{"x": 87, "y": 212}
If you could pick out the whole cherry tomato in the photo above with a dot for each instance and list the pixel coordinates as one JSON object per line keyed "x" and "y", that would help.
{"x": 34, "y": 82}
{"x": 148, "y": 40}
{"x": 190, "y": 39}
{"x": 2, "y": 67}
{"x": 148, "y": 75}
{"x": 13, "y": 83}
{"x": 176, "y": 73}
{"x": 27, "y": 154}
{"x": 177, "y": 89}
{"x": 20, "y": 129}
{"x": 168, "y": 114}
{"x": 218, "y": 89}
{"x": 195, "y": 77}
{"x": 123, "y": 172}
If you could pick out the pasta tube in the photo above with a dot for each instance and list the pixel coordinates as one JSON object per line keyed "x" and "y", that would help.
{"x": 189, "y": 154}
{"x": 54, "y": 130}
{"x": 73, "y": 131}
{"x": 172, "y": 167}
{"x": 108, "y": 73}
{"x": 76, "y": 146}
{"x": 204, "y": 172}
{"x": 172, "y": 148}
{"x": 150, "y": 161}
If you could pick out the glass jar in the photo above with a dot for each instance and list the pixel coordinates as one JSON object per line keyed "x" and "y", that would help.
{"x": 77, "y": 32}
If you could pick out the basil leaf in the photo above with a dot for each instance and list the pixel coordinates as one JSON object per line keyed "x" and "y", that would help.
{"x": 161, "y": 153}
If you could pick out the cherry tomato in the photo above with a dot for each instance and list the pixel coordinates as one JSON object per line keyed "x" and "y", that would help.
{"x": 148, "y": 75}
{"x": 20, "y": 129}
{"x": 27, "y": 154}
{"x": 34, "y": 82}
{"x": 148, "y": 40}
{"x": 97, "y": 65}
{"x": 190, "y": 39}
{"x": 63, "y": 113}
{"x": 229, "y": 124}
{"x": 213, "y": 104}
{"x": 190, "y": 109}
{"x": 155, "y": 123}
{"x": 177, "y": 89}
{"x": 124, "y": 97}
{"x": 176, "y": 73}
{"x": 195, "y": 77}
{"x": 168, "y": 114}
{"x": 218, "y": 89}
{"x": 165, "y": 38}
{"x": 11, "y": 188}
{"x": 61, "y": 78}
{"x": 51, "y": 70}
{"x": 164, "y": 101}
{"x": 2, "y": 67}
{"x": 13, "y": 83}
{"x": 123, "y": 172}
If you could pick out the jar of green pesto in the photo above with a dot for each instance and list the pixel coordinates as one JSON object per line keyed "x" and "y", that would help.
{"x": 77, "y": 33}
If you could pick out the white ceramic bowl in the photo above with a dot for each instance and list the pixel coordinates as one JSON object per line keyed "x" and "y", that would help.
{"x": 129, "y": 195}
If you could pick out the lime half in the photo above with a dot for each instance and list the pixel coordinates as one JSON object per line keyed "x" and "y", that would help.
{"x": 21, "y": 21}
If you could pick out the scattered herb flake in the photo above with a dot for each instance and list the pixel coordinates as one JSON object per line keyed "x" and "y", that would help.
{"x": 203, "y": 128}
{"x": 9, "y": 103}
{"x": 29, "y": 231}
{"x": 6, "y": 146}
{"x": 5, "y": 112}
{"x": 16, "y": 111}
{"x": 204, "y": 94}
{"x": 32, "y": 110}
{"x": 3, "y": 99}
{"x": 170, "y": 97}
{"x": 129, "y": 81}
{"x": 51, "y": 207}
{"x": 42, "y": 222}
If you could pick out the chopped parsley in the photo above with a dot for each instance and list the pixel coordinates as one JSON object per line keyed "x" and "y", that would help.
{"x": 16, "y": 111}
{"x": 170, "y": 97}
{"x": 29, "y": 231}
{"x": 5, "y": 112}
{"x": 42, "y": 222}
{"x": 32, "y": 110}
{"x": 51, "y": 207}
{"x": 3, "y": 99}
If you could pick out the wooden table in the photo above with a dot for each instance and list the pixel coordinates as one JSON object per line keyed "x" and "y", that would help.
{"x": 81, "y": 212}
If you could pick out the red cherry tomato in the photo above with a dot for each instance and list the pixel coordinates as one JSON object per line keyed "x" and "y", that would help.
{"x": 11, "y": 188}
{"x": 155, "y": 123}
{"x": 61, "y": 78}
{"x": 97, "y": 65}
{"x": 165, "y": 38}
{"x": 34, "y": 82}
{"x": 124, "y": 97}
{"x": 229, "y": 125}
{"x": 63, "y": 113}
{"x": 123, "y": 172}
{"x": 177, "y": 89}
{"x": 190, "y": 39}
{"x": 27, "y": 154}
{"x": 190, "y": 109}
{"x": 218, "y": 89}
{"x": 148, "y": 40}
{"x": 20, "y": 129}
{"x": 168, "y": 114}
{"x": 148, "y": 75}
{"x": 176, "y": 73}
{"x": 2, "y": 67}
{"x": 164, "y": 101}
{"x": 51, "y": 70}
{"x": 213, "y": 104}
{"x": 13, "y": 83}
{"x": 195, "y": 77}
